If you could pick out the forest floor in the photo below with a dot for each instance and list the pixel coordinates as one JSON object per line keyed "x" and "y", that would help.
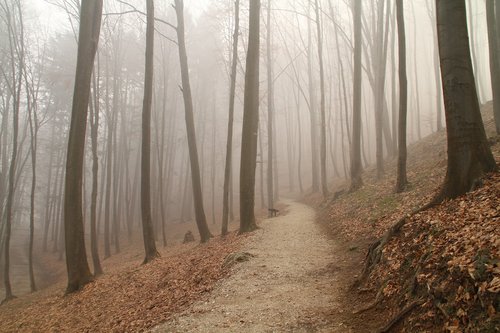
{"x": 296, "y": 272}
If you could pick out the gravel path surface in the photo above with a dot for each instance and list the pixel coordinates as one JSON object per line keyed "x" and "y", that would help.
{"x": 288, "y": 286}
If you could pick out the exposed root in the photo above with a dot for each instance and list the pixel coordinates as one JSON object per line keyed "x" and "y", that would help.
{"x": 376, "y": 301}
{"x": 401, "y": 315}
{"x": 374, "y": 253}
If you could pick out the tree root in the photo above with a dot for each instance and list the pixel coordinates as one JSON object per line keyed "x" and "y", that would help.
{"x": 375, "y": 302}
{"x": 374, "y": 253}
{"x": 401, "y": 315}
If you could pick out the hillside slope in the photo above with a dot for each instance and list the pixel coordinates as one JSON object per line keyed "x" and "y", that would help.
{"x": 441, "y": 271}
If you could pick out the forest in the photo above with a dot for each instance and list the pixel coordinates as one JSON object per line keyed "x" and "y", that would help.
{"x": 250, "y": 166}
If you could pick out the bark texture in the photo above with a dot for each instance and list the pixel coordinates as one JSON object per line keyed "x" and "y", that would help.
{"x": 250, "y": 123}
{"x": 469, "y": 155}
{"x": 401, "y": 180}
{"x": 147, "y": 220}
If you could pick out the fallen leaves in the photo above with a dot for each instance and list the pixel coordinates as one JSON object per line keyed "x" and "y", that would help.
{"x": 460, "y": 266}
{"x": 449, "y": 255}
{"x": 136, "y": 298}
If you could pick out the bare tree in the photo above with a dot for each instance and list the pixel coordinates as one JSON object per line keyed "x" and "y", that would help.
{"x": 12, "y": 14}
{"x": 324, "y": 181}
{"x": 201, "y": 220}
{"x": 403, "y": 99}
{"x": 270, "y": 113}
{"x": 229, "y": 144}
{"x": 32, "y": 79}
{"x": 94, "y": 126}
{"x": 250, "y": 123}
{"x": 76, "y": 257}
{"x": 147, "y": 221}
{"x": 469, "y": 155}
{"x": 312, "y": 107}
{"x": 356, "y": 168}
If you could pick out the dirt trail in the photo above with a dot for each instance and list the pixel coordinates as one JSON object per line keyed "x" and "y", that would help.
{"x": 290, "y": 284}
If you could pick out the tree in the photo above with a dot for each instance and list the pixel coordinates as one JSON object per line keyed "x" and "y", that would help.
{"x": 356, "y": 181}
{"x": 147, "y": 221}
{"x": 469, "y": 155}
{"x": 403, "y": 99}
{"x": 322, "y": 151}
{"x": 32, "y": 81}
{"x": 250, "y": 123}
{"x": 76, "y": 257}
{"x": 493, "y": 39}
{"x": 94, "y": 126}
{"x": 14, "y": 23}
{"x": 312, "y": 106}
{"x": 229, "y": 144}
{"x": 380, "y": 63}
{"x": 270, "y": 112}
{"x": 201, "y": 220}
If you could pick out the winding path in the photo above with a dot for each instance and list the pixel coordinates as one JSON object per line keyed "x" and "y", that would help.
{"x": 288, "y": 286}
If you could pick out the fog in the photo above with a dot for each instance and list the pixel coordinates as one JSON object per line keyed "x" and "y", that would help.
{"x": 45, "y": 94}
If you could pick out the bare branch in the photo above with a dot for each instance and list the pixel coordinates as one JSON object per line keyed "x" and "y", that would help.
{"x": 135, "y": 10}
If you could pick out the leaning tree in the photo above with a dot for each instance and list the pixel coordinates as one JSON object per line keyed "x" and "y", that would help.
{"x": 76, "y": 257}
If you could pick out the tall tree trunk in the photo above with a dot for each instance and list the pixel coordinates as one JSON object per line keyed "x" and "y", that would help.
{"x": 415, "y": 71}
{"x": 94, "y": 127}
{"x": 16, "y": 83}
{"x": 469, "y": 154}
{"x": 394, "y": 103}
{"x": 312, "y": 108}
{"x": 356, "y": 181}
{"x": 201, "y": 221}
{"x": 270, "y": 111}
{"x": 34, "y": 126}
{"x": 147, "y": 221}
{"x": 57, "y": 198}
{"x": 250, "y": 123}
{"x": 214, "y": 160}
{"x": 76, "y": 257}
{"x": 115, "y": 227}
{"x": 299, "y": 129}
{"x": 229, "y": 143}
{"x": 494, "y": 59}
{"x": 381, "y": 56}
{"x": 403, "y": 99}
{"x": 324, "y": 181}
{"x": 261, "y": 169}
{"x": 48, "y": 201}
{"x": 160, "y": 154}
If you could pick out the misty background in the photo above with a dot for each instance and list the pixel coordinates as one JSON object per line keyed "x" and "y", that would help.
{"x": 50, "y": 29}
